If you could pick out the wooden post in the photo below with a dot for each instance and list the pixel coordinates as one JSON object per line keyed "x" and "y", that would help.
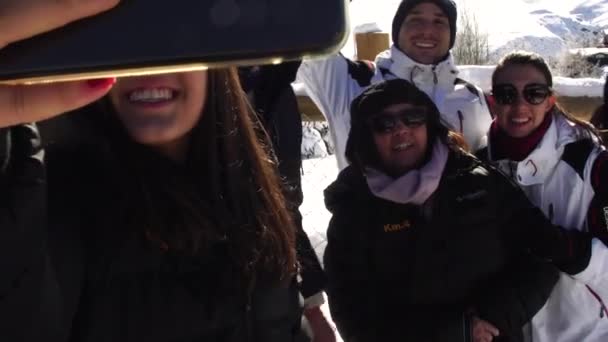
{"x": 369, "y": 45}
{"x": 581, "y": 107}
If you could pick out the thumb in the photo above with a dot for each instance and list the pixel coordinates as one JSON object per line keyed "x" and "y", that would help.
{"x": 30, "y": 103}
{"x": 20, "y": 19}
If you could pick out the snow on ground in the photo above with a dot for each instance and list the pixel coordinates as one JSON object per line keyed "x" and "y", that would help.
{"x": 577, "y": 87}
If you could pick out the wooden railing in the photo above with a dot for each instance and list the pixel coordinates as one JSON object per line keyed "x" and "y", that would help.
{"x": 581, "y": 107}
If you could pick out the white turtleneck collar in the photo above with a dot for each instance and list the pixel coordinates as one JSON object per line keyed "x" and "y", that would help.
{"x": 426, "y": 77}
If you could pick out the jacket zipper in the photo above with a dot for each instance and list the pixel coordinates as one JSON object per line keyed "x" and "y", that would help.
{"x": 603, "y": 308}
{"x": 461, "y": 119}
{"x": 248, "y": 308}
{"x": 435, "y": 81}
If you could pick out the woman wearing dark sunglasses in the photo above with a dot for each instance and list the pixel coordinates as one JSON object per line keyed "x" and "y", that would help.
{"x": 559, "y": 163}
{"x": 425, "y": 242}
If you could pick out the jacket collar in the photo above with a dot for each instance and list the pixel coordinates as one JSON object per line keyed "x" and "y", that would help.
{"x": 351, "y": 184}
{"x": 542, "y": 161}
{"x": 426, "y": 77}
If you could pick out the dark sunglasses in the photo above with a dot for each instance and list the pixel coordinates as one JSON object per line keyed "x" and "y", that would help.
{"x": 533, "y": 93}
{"x": 383, "y": 123}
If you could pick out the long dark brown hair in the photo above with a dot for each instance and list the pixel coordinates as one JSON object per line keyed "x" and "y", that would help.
{"x": 227, "y": 193}
{"x": 539, "y": 63}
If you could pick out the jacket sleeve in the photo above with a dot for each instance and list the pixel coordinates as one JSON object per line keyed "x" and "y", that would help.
{"x": 597, "y": 215}
{"x": 350, "y": 293}
{"x": 527, "y": 229}
{"x": 273, "y": 80}
{"x": 313, "y": 279}
{"x": 430, "y": 323}
{"x": 512, "y": 298}
{"x": 347, "y": 282}
{"x": 523, "y": 288}
{"x": 312, "y": 276}
{"x": 24, "y": 268}
{"x": 332, "y": 84}
{"x": 276, "y": 313}
{"x": 276, "y": 105}
{"x": 516, "y": 294}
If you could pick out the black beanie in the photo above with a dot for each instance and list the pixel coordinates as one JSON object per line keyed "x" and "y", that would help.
{"x": 384, "y": 94}
{"x": 447, "y": 6}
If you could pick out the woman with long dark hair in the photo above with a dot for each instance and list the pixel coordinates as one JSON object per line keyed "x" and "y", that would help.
{"x": 165, "y": 222}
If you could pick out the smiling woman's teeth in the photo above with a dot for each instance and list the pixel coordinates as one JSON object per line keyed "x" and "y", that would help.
{"x": 402, "y": 146}
{"x": 425, "y": 45}
{"x": 151, "y": 95}
{"x": 520, "y": 120}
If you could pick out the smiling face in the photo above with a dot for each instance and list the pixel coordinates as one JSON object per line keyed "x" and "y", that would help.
{"x": 402, "y": 148}
{"x": 425, "y": 34}
{"x": 161, "y": 110}
{"x": 520, "y": 118}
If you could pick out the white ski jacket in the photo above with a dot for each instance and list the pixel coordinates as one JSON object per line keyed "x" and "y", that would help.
{"x": 562, "y": 177}
{"x": 333, "y": 83}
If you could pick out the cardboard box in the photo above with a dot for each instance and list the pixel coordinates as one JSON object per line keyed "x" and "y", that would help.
{"x": 369, "y": 45}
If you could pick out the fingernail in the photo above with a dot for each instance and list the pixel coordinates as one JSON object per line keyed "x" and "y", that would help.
{"x": 101, "y": 83}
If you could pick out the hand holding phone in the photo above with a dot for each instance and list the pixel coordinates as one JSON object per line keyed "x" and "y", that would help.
{"x": 21, "y": 19}
{"x": 141, "y": 37}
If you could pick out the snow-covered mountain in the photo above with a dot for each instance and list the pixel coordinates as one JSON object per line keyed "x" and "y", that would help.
{"x": 548, "y": 27}
{"x": 571, "y": 28}
{"x": 593, "y": 11}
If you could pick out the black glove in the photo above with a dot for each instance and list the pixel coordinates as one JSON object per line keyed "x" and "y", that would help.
{"x": 569, "y": 250}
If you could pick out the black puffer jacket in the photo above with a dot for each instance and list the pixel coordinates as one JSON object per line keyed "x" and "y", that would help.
{"x": 408, "y": 273}
{"x": 270, "y": 93}
{"x": 67, "y": 276}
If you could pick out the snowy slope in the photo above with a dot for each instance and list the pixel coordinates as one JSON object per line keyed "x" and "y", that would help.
{"x": 593, "y": 11}
{"x": 569, "y": 28}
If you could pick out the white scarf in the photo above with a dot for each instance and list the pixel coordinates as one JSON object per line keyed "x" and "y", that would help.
{"x": 416, "y": 186}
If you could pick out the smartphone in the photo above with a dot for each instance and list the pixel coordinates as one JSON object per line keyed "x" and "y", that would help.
{"x": 156, "y": 36}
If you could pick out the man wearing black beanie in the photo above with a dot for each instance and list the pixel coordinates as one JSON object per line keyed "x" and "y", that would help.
{"x": 406, "y": 33}
{"x": 423, "y": 33}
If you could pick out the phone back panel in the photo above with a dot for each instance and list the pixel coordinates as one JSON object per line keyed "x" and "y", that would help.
{"x": 139, "y": 34}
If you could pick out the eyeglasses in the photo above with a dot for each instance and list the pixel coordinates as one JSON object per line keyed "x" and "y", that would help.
{"x": 533, "y": 93}
{"x": 384, "y": 123}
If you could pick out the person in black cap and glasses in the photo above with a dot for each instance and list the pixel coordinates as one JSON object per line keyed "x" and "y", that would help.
{"x": 423, "y": 33}
{"x": 426, "y": 243}
{"x": 271, "y": 95}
